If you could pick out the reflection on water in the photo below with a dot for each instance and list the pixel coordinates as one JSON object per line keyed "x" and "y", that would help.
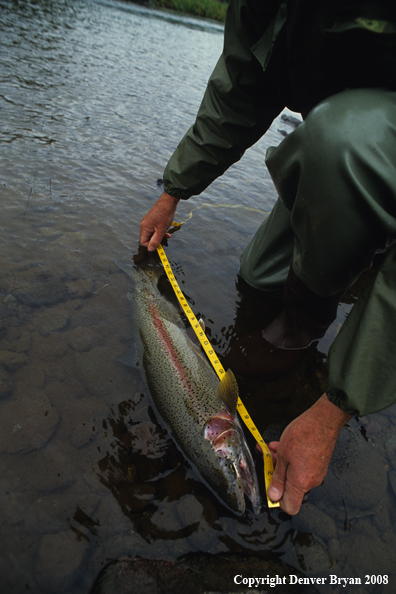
{"x": 94, "y": 96}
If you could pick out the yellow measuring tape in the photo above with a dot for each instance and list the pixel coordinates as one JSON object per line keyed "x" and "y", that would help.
{"x": 268, "y": 465}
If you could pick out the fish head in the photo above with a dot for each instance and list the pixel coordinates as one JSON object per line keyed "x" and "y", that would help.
{"x": 235, "y": 462}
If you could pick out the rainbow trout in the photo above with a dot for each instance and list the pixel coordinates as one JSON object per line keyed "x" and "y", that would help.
{"x": 198, "y": 409}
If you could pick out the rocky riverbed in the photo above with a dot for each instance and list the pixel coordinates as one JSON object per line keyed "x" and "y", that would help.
{"x": 89, "y": 476}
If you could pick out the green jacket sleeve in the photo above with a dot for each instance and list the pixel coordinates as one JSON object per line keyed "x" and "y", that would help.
{"x": 239, "y": 105}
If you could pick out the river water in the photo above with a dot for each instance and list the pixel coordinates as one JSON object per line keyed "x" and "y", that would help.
{"x": 94, "y": 97}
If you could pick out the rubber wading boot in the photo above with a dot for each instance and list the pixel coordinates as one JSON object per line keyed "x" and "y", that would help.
{"x": 305, "y": 318}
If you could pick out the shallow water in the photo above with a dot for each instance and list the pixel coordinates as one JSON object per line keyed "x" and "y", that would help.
{"x": 94, "y": 96}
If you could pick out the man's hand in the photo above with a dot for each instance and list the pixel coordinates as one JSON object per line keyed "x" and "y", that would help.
{"x": 156, "y": 222}
{"x": 302, "y": 455}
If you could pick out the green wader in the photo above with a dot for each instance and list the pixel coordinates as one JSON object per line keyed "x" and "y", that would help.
{"x": 336, "y": 180}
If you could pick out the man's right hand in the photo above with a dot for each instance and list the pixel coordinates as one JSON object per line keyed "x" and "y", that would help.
{"x": 156, "y": 222}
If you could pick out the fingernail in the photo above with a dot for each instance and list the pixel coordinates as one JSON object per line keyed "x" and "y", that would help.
{"x": 273, "y": 493}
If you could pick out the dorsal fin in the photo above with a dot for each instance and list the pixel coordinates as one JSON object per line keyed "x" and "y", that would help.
{"x": 228, "y": 391}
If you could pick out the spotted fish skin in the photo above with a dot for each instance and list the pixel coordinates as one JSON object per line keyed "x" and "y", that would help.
{"x": 189, "y": 397}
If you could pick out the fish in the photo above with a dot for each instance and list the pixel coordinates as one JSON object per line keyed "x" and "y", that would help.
{"x": 197, "y": 409}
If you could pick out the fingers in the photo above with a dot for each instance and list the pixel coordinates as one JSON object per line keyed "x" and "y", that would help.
{"x": 292, "y": 501}
{"x": 151, "y": 234}
{"x": 272, "y": 446}
{"x": 278, "y": 483}
{"x": 154, "y": 225}
{"x": 156, "y": 239}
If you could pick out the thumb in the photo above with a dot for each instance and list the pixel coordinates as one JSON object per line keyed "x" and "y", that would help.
{"x": 277, "y": 486}
{"x": 155, "y": 240}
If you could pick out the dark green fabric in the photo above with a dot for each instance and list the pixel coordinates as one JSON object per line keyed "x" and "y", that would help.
{"x": 265, "y": 262}
{"x": 336, "y": 179}
{"x": 238, "y": 107}
{"x": 336, "y": 175}
{"x": 298, "y": 54}
{"x": 292, "y": 54}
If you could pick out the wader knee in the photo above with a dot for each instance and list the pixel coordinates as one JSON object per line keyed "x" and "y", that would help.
{"x": 335, "y": 174}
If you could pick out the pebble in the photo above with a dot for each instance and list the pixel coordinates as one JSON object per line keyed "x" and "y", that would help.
{"x": 10, "y": 300}
{"x": 17, "y": 339}
{"x": 349, "y": 479}
{"x": 136, "y": 497}
{"x": 51, "y": 469}
{"x": 50, "y": 512}
{"x": 27, "y": 423}
{"x": 83, "y": 338}
{"x": 30, "y": 376}
{"x": 189, "y": 510}
{"x": 59, "y": 558}
{"x": 100, "y": 374}
{"x": 51, "y": 319}
{"x": 309, "y": 554}
{"x": 372, "y": 554}
{"x": 83, "y": 434}
{"x": 165, "y": 518}
{"x": 35, "y": 287}
{"x": 50, "y": 232}
{"x": 48, "y": 348}
{"x": 80, "y": 289}
{"x": 12, "y": 361}
{"x": 313, "y": 520}
{"x": 196, "y": 573}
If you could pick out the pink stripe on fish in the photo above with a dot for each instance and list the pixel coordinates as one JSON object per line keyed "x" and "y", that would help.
{"x": 164, "y": 338}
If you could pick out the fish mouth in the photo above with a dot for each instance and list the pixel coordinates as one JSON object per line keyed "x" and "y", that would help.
{"x": 228, "y": 442}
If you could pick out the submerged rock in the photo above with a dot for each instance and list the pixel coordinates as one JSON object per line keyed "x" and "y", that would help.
{"x": 80, "y": 289}
{"x": 51, "y": 319}
{"x": 59, "y": 559}
{"x": 312, "y": 520}
{"x": 83, "y": 338}
{"x": 372, "y": 554}
{"x": 310, "y": 555}
{"x": 349, "y": 480}
{"x": 12, "y": 361}
{"x": 197, "y": 574}
{"x": 35, "y": 287}
{"x": 100, "y": 374}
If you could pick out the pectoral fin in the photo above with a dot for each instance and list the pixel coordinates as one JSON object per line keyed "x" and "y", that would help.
{"x": 228, "y": 391}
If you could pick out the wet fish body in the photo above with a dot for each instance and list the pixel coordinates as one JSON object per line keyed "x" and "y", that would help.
{"x": 196, "y": 407}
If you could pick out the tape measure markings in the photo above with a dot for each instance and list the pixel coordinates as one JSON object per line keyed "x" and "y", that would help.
{"x": 268, "y": 464}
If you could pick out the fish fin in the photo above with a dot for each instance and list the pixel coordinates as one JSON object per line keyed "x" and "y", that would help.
{"x": 129, "y": 358}
{"x": 191, "y": 332}
{"x": 228, "y": 392}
